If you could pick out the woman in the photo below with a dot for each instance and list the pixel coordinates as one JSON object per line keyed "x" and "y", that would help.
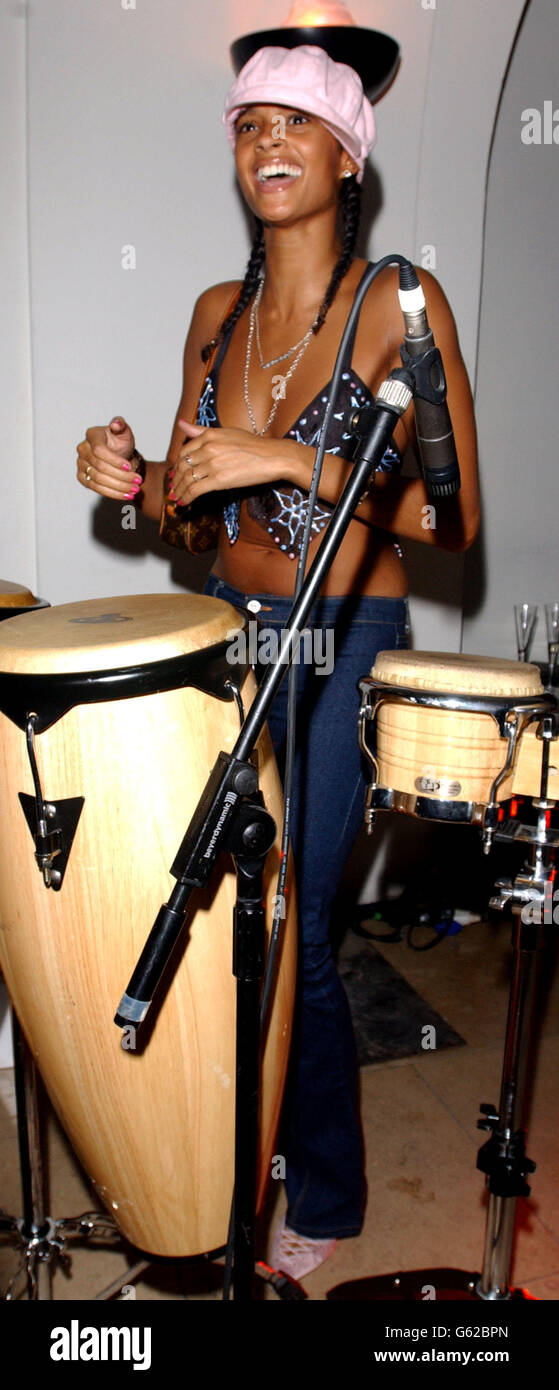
{"x": 301, "y": 129}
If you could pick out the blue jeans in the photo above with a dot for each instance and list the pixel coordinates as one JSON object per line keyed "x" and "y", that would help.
{"x": 325, "y": 1180}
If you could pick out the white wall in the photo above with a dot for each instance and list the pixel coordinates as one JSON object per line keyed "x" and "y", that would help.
{"x": 517, "y": 559}
{"x": 17, "y": 494}
{"x": 125, "y": 145}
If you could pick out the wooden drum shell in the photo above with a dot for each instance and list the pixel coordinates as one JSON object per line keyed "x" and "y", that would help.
{"x": 456, "y": 754}
{"x": 416, "y": 745}
{"x": 154, "y": 1129}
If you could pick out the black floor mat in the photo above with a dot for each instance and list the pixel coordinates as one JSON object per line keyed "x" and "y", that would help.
{"x": 389, "y": 1018}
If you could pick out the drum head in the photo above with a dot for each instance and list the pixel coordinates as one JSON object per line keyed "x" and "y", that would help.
{"x": 16, "y": 596}
{"x": 460, "y": 672}
{"x": 15, "y": 599}
{"x": 105, "y": 634}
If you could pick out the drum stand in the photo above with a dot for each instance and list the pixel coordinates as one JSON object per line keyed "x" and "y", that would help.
{"x": 40, "y": 1240}
{"x": 503, "y": 1158}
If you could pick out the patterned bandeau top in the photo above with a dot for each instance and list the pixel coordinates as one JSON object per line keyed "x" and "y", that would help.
{"x": 282, "y": 511}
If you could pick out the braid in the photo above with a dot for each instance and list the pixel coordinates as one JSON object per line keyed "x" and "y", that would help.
{"x": 350, "y": 207}
{"x": 249, "y": 286}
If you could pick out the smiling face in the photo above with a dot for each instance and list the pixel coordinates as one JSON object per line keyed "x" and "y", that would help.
{"x": 288, "y": 163}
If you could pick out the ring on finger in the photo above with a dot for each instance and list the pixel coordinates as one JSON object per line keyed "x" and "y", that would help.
{"x": 88, "y": 473}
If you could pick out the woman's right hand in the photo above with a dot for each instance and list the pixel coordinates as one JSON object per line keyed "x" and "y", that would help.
{"x": 105, "y": 463}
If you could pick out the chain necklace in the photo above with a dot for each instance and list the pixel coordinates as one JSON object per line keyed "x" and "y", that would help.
{"x": 273, "y": 360}
{"x": 303, "y": 345}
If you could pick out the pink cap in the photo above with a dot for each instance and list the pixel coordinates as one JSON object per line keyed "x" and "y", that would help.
{"x": 306, "y": 79}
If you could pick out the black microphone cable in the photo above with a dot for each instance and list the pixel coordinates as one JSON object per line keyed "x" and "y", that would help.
{"x": 375, "y": 267}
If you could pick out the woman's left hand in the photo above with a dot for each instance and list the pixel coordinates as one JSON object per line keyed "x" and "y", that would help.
{"x": 213, "y": 460}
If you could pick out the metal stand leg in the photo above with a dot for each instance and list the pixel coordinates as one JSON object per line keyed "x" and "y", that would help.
{"x": 502, "y": 1158}
{"x": 40, "y": 1240}
{"x": 34, "y": 1226}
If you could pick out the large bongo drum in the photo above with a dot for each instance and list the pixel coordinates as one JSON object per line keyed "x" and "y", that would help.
{"x": 132, "y": 706}
{"x": 453, "y": 734}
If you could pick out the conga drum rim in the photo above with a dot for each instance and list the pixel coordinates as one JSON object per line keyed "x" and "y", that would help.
{"x": 121, "y": 632}
{"x": 86, "y": 653}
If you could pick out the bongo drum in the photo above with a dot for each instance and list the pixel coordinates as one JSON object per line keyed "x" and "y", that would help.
{"x": 455, "y": 734}
{"x": 15, "y": 599}
{"x": 132, "y": 708}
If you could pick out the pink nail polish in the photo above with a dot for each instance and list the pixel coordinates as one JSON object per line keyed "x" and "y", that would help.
{"x": 127, "y": 467}
{"x": 128, "y": 495}
{"x": 172, "y": 495}
{"x": 138, "y": 479}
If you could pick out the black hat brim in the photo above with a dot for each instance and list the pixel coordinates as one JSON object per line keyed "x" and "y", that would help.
{"x": 374, "y": 56}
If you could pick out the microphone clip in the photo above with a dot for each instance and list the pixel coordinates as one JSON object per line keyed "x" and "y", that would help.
{"x": 428, "y": 374}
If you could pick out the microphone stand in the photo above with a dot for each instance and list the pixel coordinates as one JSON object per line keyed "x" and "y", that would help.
{"x": 230, "y": 814}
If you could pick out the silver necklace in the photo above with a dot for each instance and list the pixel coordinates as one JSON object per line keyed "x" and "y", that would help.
{"x": 303, "y": 345}
{"x": 273, "y": 360}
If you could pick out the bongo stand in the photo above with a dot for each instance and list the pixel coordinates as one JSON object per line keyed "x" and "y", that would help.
{"x": 503, "y": 1157}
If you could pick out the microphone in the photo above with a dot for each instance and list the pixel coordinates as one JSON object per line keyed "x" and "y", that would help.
{"x": 435, "y": 438}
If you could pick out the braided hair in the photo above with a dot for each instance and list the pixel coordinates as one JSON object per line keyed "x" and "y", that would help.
{"x": 350, "y": 209}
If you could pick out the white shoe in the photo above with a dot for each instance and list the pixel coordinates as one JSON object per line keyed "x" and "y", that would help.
{"x": 298, "y": 1255}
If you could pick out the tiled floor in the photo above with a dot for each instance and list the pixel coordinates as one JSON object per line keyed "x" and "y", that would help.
{"x": 427, "y": 1201}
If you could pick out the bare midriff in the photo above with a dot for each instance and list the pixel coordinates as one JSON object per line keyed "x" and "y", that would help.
{"x": 366, "y": 563}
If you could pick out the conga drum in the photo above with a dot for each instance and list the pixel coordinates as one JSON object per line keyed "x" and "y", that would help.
{"x": 16, "y": 599}
{"x": 132, "y": 705}
{"x": 450, "y": 735}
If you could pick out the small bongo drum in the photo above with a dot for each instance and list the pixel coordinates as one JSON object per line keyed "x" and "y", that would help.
{"x": 453, "y": 734}
{"x": 15, "y": 599}
{"x": 132, "y": 705}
